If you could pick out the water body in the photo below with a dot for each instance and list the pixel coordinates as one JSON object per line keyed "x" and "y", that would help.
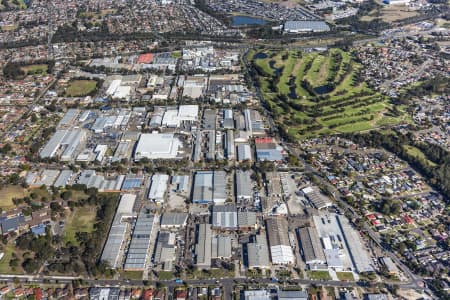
{"x": 324, "y": 89}
{"x": 245, "y": 21}
{"x": 260, "y": 55}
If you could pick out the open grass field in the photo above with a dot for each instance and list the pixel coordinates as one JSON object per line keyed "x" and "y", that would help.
{"x": 80, "y": 88}
{"x": 35, "y": 69}
{"x": 390, "y": 13}
{"x": 319, "y": 275}
{"x": 133, "y": 275}
{"x": 8, "y": 193}
{"x": 345, "y": 276}
{"x": 165, "y": 275}
{"x": 311, "y": 94}
{"x": 81, "y": 220}
{"x": 5, "y": 268}
{"x": 8, "y": 27}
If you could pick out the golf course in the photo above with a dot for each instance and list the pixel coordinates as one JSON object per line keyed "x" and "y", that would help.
{"x": 314, "y": 93}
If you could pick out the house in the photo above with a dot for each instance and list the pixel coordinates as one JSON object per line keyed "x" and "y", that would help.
{"x": 147, "y": 295}
{"x": 5, "y": 290}
{"x": 181, "y": 295}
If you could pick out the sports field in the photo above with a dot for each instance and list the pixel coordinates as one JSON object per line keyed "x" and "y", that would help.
{"x": 80, "y": 88}
{"x": 314, "y": 93}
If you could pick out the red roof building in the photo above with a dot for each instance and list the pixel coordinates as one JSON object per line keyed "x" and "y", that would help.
{"x": 371, "y": 217}
{"x": 408, "y": 219}
{"x": 146, "y": 58}
{"x": 38, "y": 294}
{"x": 147, "y": 295}
{"x": 181, "y": 295}
{"x": 263, "y": 140}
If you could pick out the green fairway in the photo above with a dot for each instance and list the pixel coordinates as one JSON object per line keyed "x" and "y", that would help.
{"x": 311, "y": 94}
{"x": 80, "y": 88}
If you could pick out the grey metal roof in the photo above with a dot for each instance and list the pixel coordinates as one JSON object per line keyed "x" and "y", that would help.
{"x": 258, "y": 253}
{"x": 247, "y": 218}
{"x": 277, "y": 231}
{"x": 221, "y": 246}
{"x": 243, "y": 184}
{"x": 113, "y": 245}
{"x": 220, "y": 193}
{"x": 312, "y": 249}
{"x": 292, "y": 295}
{"x": 224, "y": 217}
{"x": 53, "y": 144}
{"x": 174, "y": 219}
{"x": 203, "y": 246}
{"x": 11, "y": 224}
{"x": 63, "y": 178}
{"x": 165, "y": 248}
{"x": 203, "y": 187}
{"x": 359, "y": 257}
{"x": 69, "y": 117}
{"x": 140, "y": 243}
{"x": 209, "y": 186}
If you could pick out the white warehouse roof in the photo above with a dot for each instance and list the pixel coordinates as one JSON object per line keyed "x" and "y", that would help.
{"x": 126, "y": 204}
{"x": 158, "y": 187}
{"x": 157, "y": 146}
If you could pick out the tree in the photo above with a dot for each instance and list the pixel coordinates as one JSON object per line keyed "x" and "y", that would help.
{"x": 6, "y": 148}
{"x": 66, "y": 195}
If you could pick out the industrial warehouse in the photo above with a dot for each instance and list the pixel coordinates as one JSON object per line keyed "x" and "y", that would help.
{"x": 185, "y": 210}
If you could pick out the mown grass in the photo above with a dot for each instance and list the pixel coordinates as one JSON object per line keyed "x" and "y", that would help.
{"x": 80, "y": 88}
{"x": 291, "y": 82}
{"x": 319, "y": 275}
{"x": 345, "y": 276}
{"x": 35, "y": 69}
{"x": 8, "y": 193}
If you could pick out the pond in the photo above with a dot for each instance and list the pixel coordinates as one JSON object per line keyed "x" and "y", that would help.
{"x": 260, "y": 55}
{"x": 324, "y": 89}
{"x": 246, "y": 20}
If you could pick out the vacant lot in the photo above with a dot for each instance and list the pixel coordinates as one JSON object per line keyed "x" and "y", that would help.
{"x": 345, "y": 276}
{"x": 8, "y": 193}
{"x": 80, "y": 220}
{"x": 80, "y": 88}
{"x": 312, "y": 94}
{"x": 319, "y": 275}
{"x": 390, "y": 13}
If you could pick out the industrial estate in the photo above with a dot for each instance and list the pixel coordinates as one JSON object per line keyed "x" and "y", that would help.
{"x": 206, "y": 149}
